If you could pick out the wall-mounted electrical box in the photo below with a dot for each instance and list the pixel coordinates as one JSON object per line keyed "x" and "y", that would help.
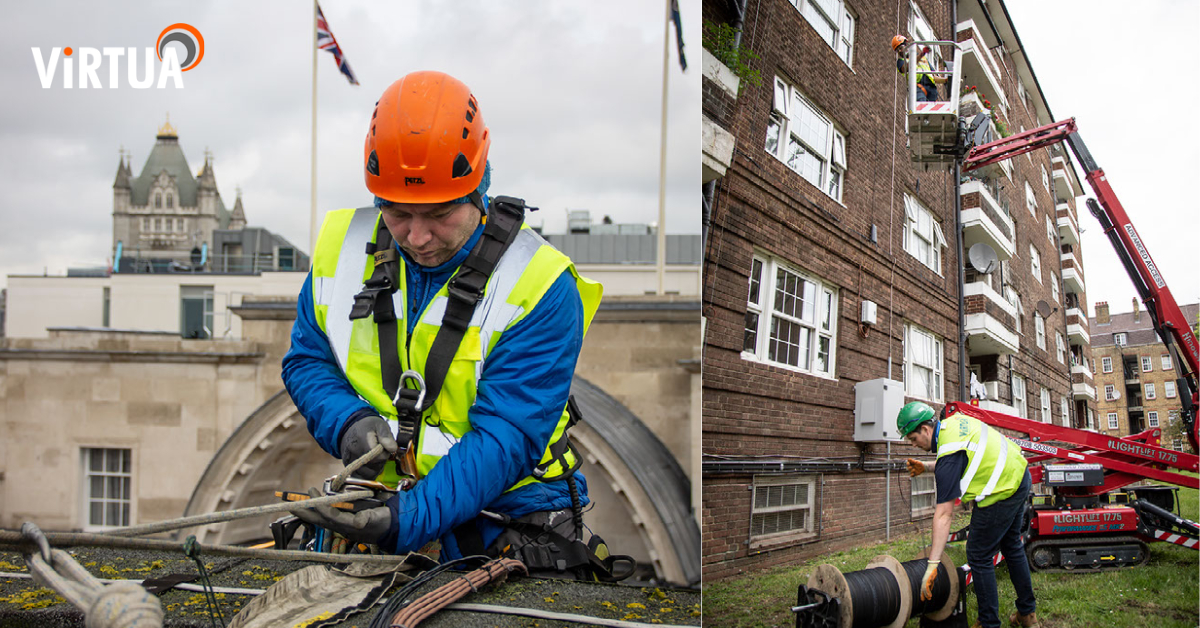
{"x": 868, "y": 313}
{"x": 876, "y": 404}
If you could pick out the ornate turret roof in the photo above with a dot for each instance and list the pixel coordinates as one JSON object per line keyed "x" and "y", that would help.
{"x": 123, "y": 173}
{"x": 166, "y": 155}
{"x": 238, "y": 219}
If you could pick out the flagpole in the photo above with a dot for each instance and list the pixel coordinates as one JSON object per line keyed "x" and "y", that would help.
{"x": 662, "y": 161}
{"x": 312, "y": 222}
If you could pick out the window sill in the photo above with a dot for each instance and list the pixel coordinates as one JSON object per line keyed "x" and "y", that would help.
{"x": 751, "y": 357}
{"x": 780, "y": 541}
{"x": 810, "y": 183}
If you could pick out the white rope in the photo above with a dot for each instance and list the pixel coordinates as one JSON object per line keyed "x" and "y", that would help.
{"x": 239, "y": 513}
{"x": 121, "y": 605}
{"x": 551, "y": 615}
{"x": 182, "y": 586}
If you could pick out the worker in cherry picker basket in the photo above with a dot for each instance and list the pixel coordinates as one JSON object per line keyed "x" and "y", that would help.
{"x": 926, "y": 83}
{"x": 975, "y": 463}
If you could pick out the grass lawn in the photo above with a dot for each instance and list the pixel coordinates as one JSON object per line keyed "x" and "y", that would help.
{"x": 1165, "y": 593}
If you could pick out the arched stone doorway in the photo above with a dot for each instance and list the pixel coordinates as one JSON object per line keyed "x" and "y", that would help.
{"x": 626, "y": 466}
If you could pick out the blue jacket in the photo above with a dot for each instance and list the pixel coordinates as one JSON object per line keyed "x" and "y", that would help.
{"x": 511, "y": 424}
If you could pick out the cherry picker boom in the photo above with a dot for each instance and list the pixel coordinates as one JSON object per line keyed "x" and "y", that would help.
{"x": 1165, "y": 315}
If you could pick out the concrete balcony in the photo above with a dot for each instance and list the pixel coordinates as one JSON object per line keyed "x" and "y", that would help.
{"x": 1068, "y": 256}
{"x": 1072, "y": 277}
{"x": 1068, "y": 232}
{"x": 1083, "y": 371}
{"x": 1083, "y": 390}
{"x": 1065, "y": 184}
{"x": 717, "y": 143}
{"x": 1077, "y": 330}
{"x": 718, "y": 150}
{"x": 979, "y": 67}
{"x": 989, "y": 321}
{"x": 984, "y": 221}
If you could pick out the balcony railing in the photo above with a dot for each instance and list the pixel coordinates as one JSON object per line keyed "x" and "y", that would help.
{"x": 979, "y": 68}
{"x": 989, "y": 321}
{"x": 984, "y": 220}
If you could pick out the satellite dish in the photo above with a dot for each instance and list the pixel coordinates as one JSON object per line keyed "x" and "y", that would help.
{"x": 982, "y": 258}
{"x": 981, "y": 131}
{"x": 1043, "y": 309}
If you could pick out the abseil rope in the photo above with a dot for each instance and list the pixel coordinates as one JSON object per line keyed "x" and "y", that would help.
{"x": 253, "y": 511}
{"x": 239, "y": 513}
{"x": 122, "y": 605}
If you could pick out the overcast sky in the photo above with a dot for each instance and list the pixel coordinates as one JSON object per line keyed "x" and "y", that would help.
{"x": 1128, "y": 73}
{"x": 572, "y": 93}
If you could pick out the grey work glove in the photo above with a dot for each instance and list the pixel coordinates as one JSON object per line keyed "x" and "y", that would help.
{"x": 365, "y": 526}
{"x": 361, "y": 437}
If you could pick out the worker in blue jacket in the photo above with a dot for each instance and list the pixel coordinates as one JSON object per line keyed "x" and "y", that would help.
{"x": 489, "y": 452}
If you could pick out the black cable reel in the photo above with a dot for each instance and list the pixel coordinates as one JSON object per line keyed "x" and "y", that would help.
{"x": 884, "y": 595}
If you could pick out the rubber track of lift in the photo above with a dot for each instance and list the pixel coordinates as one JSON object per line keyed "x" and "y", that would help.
{"x": 1075, "y": 542}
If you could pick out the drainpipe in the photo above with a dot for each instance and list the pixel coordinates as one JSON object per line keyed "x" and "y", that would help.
{"x": 963, "y": 390}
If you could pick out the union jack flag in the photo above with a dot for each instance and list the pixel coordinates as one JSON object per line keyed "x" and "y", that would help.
{"x": 326, "y": 41}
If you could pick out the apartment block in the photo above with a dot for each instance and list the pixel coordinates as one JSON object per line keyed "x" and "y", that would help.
{"x": 836, "y": 263}
{"x": 1135, "y": 375}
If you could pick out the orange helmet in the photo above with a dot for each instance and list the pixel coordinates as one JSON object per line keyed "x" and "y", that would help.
{"x": 897, "y": 41}
{"x": 427, "y": 142}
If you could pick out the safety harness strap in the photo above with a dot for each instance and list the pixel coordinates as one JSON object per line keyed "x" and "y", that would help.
{"x": 465, "y": 290}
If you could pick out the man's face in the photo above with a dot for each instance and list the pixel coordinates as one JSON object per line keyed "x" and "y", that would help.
{"x": 431, "y": 233}
{"x": 922, "y": 437}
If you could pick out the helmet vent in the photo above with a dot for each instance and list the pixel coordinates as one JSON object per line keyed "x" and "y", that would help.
{"x": 462, "y": 167}
{"x": 466, "y": 132}
{"x": 373, "y": 162}
{"x": 470, "y": 116}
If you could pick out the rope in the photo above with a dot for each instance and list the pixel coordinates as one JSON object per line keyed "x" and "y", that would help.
{"x": 425, "y": 606}
{"x": 340, "y": 478}
{"x": 122, "y": 605}
{"x": 191, "y": 549}
{"x": 239, "y": 513}
{"x": 10, "y": 537}
{"x": 586, "y": 620}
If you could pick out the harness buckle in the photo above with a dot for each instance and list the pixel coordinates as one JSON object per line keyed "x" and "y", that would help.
{"x": 411, "y": 402}
{"x": 364, "y": 302}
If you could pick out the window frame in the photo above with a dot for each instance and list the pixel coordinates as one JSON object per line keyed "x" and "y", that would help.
{"x": 1022, "y": 408}
{"x": 1039, "y": 326}
{"x": 1060, "y": 349}
{"x": 1046, "y": 408}
{"x": 1106, "y": 364}
{"x": 1054, "y": 286}
{"x": 824, "y": 312}
{"x": 810, "y": 531}
{"x": 837, "y": 26}
{"x": 915, "y": 213}
{"x": 1049, "y": 227}
{"x": 126, "y": 515}
{"x": 1152, "y": 418}
{"x": 1035, "y": 263}
{"x": 937, "y": 370}
{"x": 1030, "y": 198}
{"x": 1147, "y": 363}
{"x": 1113, "y": 423}
{"x": 1110, "y": 392}
{"x": 914, "y": 494}
{"x": 1064, "y": 408}
{"x": 1148, "y": 391}
{"x": 788, "y": 118}
{"x": 1169, "y": 391}
{"x": 1166, "y": 361}
{"x": 1120, "y": 339}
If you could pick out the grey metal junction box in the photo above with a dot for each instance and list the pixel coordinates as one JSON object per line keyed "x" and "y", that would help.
{"x": 876, "y": 404}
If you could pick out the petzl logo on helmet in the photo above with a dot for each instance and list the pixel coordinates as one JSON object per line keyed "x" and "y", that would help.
{"x": 140, "y": 69}
{"x": 187, "y": 35}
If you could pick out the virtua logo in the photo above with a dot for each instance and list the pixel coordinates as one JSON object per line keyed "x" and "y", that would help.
{"x": 170, "y": 67}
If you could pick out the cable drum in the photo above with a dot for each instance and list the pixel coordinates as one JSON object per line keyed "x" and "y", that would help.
{"x": 945, "y": 588}
{"x": 876, "y": 597}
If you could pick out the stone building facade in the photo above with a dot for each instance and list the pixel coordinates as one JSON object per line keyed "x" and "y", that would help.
{"x": 833, "y": 259}
{"x": 1135, "y": 375}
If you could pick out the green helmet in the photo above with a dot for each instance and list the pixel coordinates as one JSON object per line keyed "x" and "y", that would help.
{"x": 912, "y": 415}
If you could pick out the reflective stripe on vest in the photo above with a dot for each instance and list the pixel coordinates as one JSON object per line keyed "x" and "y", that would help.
{"x": 995, "y": 466}
{"x": 526, "y": 271}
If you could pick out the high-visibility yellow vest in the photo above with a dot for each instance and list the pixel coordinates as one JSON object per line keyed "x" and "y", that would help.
{"x": 995, "y": 466}
{"x": 526, "y": 271}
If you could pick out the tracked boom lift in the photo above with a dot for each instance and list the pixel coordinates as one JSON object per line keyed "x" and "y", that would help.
{"x": 1168, "y": 320}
